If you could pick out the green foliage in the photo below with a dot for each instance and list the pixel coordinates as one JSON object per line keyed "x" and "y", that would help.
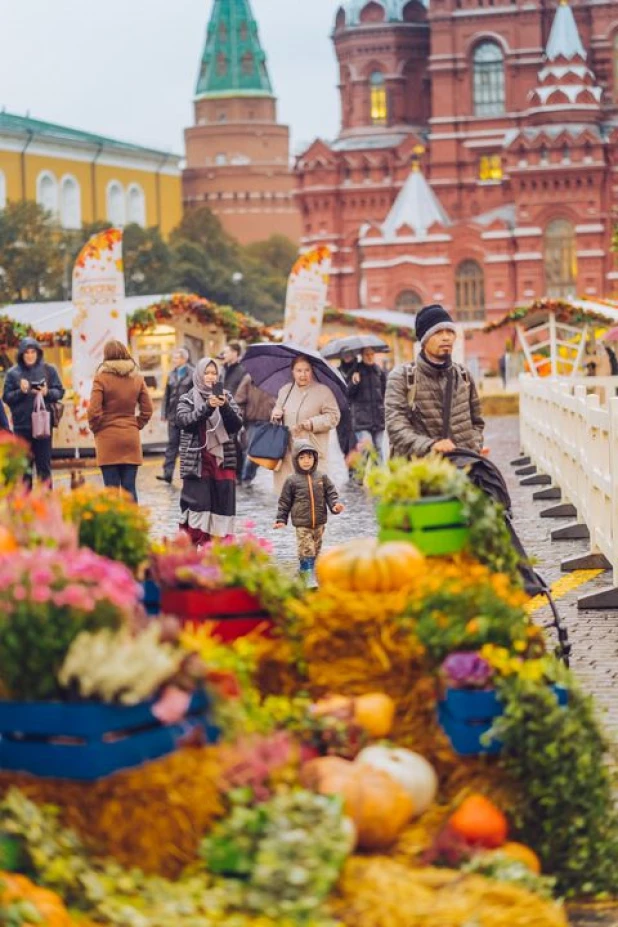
{"x": 30, "y": 257}
{"x": 402, "y": 480}
{"x": 466, "y": 616}
{"x": 110, "y": 524}
{"x": 502, "y": 868}
{"x": 281, "y": 858}
{"x": 489, "y": 539}
{"x": 565, "y": 809}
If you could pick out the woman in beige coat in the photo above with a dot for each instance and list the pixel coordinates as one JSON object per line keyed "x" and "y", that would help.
{"x": 310, "y": 411}
{"x": 118, "y": 389}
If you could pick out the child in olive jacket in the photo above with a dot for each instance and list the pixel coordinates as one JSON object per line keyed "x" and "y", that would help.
{"x": 307, "y": 495}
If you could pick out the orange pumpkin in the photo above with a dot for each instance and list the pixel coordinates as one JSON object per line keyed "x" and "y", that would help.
{"x": 480, "y": 822}
{"x": 8, "y": 544}
{"x": 49, "y": 905}
{"x": 375, "y": 713}
{"x": 523, "y": 854}
{"x": 379, "y": 807}
{"x": 367, "y": 566}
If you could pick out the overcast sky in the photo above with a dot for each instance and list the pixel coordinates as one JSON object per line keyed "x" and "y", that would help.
{"x": 127, "y": 68}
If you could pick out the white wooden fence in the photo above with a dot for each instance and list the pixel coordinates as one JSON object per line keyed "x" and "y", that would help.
{"x": 572, "y": 436}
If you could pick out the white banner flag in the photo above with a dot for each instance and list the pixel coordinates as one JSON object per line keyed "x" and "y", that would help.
{"x": 306, "y": 298}
{"x": 99, "y": 313}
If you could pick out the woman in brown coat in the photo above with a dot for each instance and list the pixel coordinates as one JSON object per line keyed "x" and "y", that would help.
{"x": 117, "y": 390}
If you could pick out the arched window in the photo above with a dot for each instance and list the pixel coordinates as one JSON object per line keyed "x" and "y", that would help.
{"x": 408, "y": 301}
{"x": 70, "y": 204}
{"x": 469, "y": 292}
{"x": 378, "y": 99}
{"x": 246, "y": 64}
{"x": 136, "y": 205}
{"x": 116, "y": 207}
{"x": 488, "y": 86}
{"x": 221, "y": 65}
{"x": 2, "y": 190}
{"x": 560, "y": 259}
{"x": 47, "y": 192}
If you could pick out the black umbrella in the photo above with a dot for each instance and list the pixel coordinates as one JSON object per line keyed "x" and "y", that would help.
{"x": 354, "y": 344}
{"x": 270, "y": 366}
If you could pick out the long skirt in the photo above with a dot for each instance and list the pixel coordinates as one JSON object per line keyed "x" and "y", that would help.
{"x": 208, "y": 504}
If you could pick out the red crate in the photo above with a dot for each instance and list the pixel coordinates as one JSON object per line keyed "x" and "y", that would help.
{"x": 231, "y": 613}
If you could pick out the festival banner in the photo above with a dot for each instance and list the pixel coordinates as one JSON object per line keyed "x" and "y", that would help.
{"x": 306, "y": 298}
{"x": 99, "y": 313}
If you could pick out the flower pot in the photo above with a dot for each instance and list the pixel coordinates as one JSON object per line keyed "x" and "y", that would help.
{"x": 90, "y": 740}
{"x": 151, "y": 597}
{"x": 231, "y": 613}
{"x": 11, "y": 855}
{"x": 466, "y": 715}
{"x": 435, "y": 525}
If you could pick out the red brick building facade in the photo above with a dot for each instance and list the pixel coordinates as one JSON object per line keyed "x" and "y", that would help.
{"x": 238, "y": 154}
{"x": 477, "y": 163}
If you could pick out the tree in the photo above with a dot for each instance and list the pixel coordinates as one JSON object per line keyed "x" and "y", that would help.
{"x": 31, "y": 261}
{"x": 147, "y": 262}
{"x": 277, "y": 253}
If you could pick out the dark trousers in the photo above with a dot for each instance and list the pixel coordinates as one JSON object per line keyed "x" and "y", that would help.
{"x": 40, "y": 452}
{"x": 121, "y": 476}
{"x": 172, "y": 450}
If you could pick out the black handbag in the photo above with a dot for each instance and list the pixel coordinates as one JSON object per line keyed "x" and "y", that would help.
{"x": 269, "y": 445}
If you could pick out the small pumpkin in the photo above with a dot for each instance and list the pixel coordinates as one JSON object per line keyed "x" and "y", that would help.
{"x": 375, "y": 713}
{"x": 48, "y": 905}
{"x": 410, "y": 770}
{"x": 8, "y": 544}
{"x": 480, "y": 822}
{"x": 522, "y": 854}
{"x": 379, "y": 807}
{"x": 367, "y": 566}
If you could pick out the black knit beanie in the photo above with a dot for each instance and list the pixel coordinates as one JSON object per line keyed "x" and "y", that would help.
{"x": 432, "y": 319}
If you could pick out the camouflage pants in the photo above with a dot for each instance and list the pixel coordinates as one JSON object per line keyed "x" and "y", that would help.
{"x": 309, "y": 541}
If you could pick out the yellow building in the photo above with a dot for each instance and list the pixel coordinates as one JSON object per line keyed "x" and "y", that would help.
{"x": 81, "y": 178}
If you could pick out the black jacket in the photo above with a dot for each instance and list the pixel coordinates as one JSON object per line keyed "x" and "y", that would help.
{"x": 233, "y": 375}
{"x": 367, "y": 398}
{"x": 22, "y": 404}
{"x": 175, "y": 388}
{"x": 191, "y": 439}
{"x": 306, "y": 495}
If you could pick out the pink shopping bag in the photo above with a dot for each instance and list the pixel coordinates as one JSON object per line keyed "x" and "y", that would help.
{"x": 41, "y": 419}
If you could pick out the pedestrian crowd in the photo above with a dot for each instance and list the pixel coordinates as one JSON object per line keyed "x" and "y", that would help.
{"x": 223, "y": 425}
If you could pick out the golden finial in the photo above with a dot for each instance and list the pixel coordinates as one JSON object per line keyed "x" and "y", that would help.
{"x": 418, "y": 151}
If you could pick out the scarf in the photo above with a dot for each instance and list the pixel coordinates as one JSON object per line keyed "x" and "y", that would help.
{"x": 443, "y": 366}
{"x": 216, "y": 435}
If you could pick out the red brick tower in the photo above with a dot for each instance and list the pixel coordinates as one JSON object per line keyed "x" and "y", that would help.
{"x": 516, "y": 105}
{"x": 238, "y": 155}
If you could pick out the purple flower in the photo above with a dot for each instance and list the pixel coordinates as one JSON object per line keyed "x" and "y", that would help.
{"x": 466, "y": 670}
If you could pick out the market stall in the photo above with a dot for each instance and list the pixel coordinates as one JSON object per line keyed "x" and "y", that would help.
{"x": 157, "y": 325}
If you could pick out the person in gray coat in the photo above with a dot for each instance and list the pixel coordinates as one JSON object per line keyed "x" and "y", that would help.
{"x": 179, "y": 382}
{"x": 432, "y": 404}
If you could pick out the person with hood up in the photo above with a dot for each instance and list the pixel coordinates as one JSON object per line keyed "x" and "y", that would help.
{"x": 307, "y": 495}
{"x": 432, "y": 404}
{"x": 209, "y": 419}
{"x": 117, "y": 390}
{"x": 31, "y": 376}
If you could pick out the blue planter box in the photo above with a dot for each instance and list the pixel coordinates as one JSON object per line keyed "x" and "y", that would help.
{"x": 89, "y": 740}
{"x": 151, "y": 597}
{"x": 466, "y": 715}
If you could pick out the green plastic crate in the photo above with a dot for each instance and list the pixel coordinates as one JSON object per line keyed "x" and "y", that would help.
{"x": 435, "y": 525}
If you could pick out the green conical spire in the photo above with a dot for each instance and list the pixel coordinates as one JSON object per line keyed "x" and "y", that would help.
{"x": 233, "y": 63}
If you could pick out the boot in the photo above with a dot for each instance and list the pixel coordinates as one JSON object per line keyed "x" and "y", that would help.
{"x": 307, "y": 572}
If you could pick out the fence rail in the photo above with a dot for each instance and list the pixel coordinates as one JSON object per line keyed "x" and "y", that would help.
{"x": 572, "y": 436}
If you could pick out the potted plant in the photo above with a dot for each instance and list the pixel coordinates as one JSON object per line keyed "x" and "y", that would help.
{"x": 420, "y": 501}
{"x": 234, "y": 584}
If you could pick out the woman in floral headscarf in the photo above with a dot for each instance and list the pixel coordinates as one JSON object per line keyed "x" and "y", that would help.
{"x": 209, "y": 419}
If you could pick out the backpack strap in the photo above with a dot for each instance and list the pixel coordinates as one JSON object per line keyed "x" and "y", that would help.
{"x": 411, "y": 385}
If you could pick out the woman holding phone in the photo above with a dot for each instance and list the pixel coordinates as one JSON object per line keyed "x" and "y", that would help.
{"x": 209, "y": 419}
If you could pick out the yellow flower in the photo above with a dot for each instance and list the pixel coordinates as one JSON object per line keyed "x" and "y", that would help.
{"x": 472, "y": 627}
{"x": 520, "y": 646}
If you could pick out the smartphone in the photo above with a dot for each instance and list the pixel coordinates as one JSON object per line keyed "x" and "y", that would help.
{"x": 218, "y": 390}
